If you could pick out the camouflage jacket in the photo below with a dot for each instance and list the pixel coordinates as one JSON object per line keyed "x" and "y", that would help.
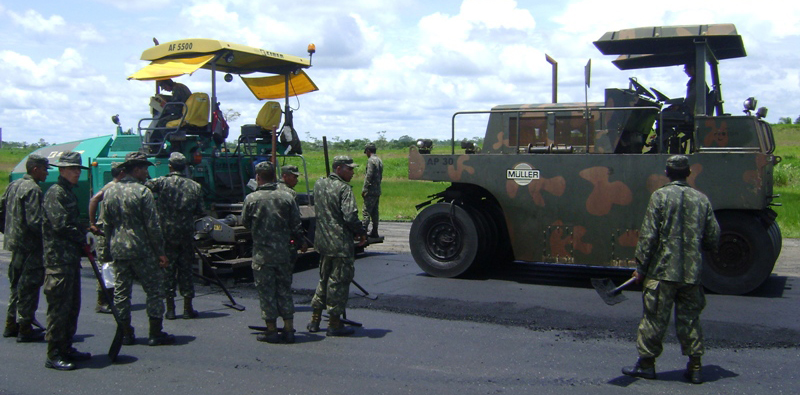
{"x": 22, "y": 214}
{"x": 274, "y": 220}
{"x": 180, "y": 202}
{"x": 373, "y": 176}
{"x": 283, "y": 187}
{"x": 62, "y": 232}
{"x": 679, "y": 222}
{"x": 131, "y": 222}
{"x": 337, "y": 217}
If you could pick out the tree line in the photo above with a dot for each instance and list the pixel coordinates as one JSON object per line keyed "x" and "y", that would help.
{"x": 311, "y": 143}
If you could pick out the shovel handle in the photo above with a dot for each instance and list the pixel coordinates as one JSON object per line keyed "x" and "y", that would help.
{"x": 621, "y": 287}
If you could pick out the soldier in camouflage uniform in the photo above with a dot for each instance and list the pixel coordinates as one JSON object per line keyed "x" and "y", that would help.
{"x": 96, "y": 227}
{"x": 289, "y": 178}
{"x": 180, "y": 202}
{"x": 136, "y": 244}
{"x": 64, "y": 237}
{"x": 21, "y": 214}
{"x": 337, "y": 226}
{"x": 679, "y": 223}
{"x": 274, "y": 220}
{"x": 372, "y": 188}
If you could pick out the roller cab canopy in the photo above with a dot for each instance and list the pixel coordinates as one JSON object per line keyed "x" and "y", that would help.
{"x": 647, "y": 47}
{"x": 176, "y": 58}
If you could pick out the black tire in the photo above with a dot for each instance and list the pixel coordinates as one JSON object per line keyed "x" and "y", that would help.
{"x": 444, "y": 240}
{"x": 777, "y": 238}
{"x": 746, "y": 255}
{"x": 485, "y": 246}
{"x": 503, "y": 253}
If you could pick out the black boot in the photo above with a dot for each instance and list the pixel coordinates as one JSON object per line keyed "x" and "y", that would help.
{"x": 374, "y": 232}
{"x": 288, "y": 331}
{"x": 644, "y": 368}
{"x": 26, "y": 334}
{"x": 55, "y": 359}
{"x": 188, "y": 311}
{"x": 316, "y": 317}
{"x": 337, "y": 328}
{"x": 694, "y": 371}
{"x": 170, "y": 314}
{"x": 128, "y": 335}
{"x": 271, "y": 335}
{"x": 12, "y": 329}
{"x": 157, "y": 336}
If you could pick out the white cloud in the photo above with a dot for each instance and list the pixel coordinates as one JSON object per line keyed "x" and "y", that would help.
{"x": 137, "y": 5}
{"x": 34, "y": 21}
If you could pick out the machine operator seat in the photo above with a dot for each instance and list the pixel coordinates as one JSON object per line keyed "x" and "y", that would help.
{"x": 269, "y": 117}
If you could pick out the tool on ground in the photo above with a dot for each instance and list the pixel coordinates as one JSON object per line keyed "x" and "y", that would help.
{"x": 365, "y": 293}
{"x": 610, "y": 293}
{"x": 215, "y": 280}
{"x": 116, "y": 344}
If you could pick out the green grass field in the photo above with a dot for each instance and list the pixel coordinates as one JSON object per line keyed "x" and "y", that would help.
{"x": 400, "y": 195}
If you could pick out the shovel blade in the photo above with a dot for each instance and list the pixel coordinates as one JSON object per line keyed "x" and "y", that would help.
{"x": 607, "y": 291}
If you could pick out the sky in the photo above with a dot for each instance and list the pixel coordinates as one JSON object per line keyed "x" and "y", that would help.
{"x": 402, "y": 67}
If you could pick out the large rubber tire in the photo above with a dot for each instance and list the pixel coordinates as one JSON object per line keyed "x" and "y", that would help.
{"x": 504, "y": 253}
{"x": 746, "y": 255}
{"x": 444, "y": 240}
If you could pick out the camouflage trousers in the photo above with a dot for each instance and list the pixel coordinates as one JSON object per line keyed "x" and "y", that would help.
{"x": 26, "y": 276}
{"x": 658, "y": 298}
{"x": 335, "y": 275}
{"x": 62, "y": 288}
{"x": 371, "y": 211}
{"x": 179, "y": 272}
{"x": 273, "y": 281}
{"x": 100, "y": 248}
{"x": 150, "y": 275}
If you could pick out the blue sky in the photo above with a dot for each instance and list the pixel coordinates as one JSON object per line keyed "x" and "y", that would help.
{"x": 399, "y": 66}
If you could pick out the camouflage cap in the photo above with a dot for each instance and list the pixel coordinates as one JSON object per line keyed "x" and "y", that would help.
{"x": 678, "y": 162}
{"x": 343, "y": 160}
{"x": 133, "y": 159}
{"x": 177, "y": 159}
{"x": 70, "y": 159}
{"x": 264, "y": 166}
{"x": 35, "y": 160}
{"x": 114, "y": 165}
{"x": 370, "y": 147}
{"x": 290, "y": 169}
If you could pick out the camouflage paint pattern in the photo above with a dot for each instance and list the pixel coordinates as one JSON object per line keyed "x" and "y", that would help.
{"x": 584, "y": 206}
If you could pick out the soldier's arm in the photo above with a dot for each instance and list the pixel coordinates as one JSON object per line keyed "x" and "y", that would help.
{"x": 247, "y": 208}
{"x": 350, "y": 212}
{"x": 34, "y": 213}
{"x": 108, "y": 229}
{"x": 295, "y": 223}
{"x": 94, "y": 202}
{"x": 154, "y": 184}
{"x": 3, "y": 201}
{"x": 648, "y": 234}
{"x": 369, "y": 173}
{"x": 711, "y": 232}
{"x": 148, "y": 209}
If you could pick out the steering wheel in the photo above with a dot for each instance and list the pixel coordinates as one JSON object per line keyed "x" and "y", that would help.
{"x": 640, "y": 89}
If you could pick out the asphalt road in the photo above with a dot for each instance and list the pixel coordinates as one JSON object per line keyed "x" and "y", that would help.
{"x": 524, "y": 329}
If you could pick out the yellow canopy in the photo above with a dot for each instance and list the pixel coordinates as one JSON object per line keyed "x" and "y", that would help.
{"x": 170, "y": 68}
{"x": 273, "y": 87}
